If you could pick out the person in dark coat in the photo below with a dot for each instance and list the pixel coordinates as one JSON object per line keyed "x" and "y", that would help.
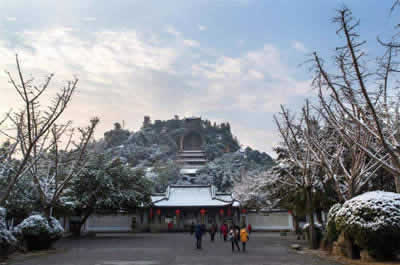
{"x": 213, "y": 231}
{"x": 234, "y": 237}
{"x": 199, "y": 234}
{"x": 192, "y": 228}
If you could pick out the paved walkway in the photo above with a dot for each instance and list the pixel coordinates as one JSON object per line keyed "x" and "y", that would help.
{"x": 160, "y": 249}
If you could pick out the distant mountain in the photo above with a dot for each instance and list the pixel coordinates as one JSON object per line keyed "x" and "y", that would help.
{"x": 155, "y": 146}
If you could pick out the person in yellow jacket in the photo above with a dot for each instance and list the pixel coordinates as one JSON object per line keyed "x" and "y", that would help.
{"x": 244, "y": 237}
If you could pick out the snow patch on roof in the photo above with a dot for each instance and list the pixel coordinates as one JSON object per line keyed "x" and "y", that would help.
{"x": 189, "y": 171}
{"x": 191, "y": 195}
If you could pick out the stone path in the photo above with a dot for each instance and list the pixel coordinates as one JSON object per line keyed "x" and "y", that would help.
{"x": 160, "y": 249}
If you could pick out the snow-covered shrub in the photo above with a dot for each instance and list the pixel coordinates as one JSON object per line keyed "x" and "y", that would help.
{"x": 7, "y": 241}
{"x": 332, "y": 233}
{"x": 333, "y": 211}
{"x": 39, "y": 232}
{"x": 2, "y": 218}
{"x": 372, "y": 220}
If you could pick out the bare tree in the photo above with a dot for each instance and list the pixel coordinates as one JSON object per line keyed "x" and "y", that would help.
{"x": 368, "y": 106}
{"x": 30, "y": 128}
{"x": 307, "y": 178}
{"x": 330, "y": 137}
{"x": 54, "y": 171}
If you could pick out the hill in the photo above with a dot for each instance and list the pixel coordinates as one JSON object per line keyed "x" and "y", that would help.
{"x": 154, "y": 149}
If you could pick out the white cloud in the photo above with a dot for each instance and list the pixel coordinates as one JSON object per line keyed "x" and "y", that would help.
{"x": 265, "y": 140}
{"x": 125, "y": 75}
{"x": 202, "y": 28}
{"x": 299, "y": 46}
{"x": 191, "y": 43}
{"x": 171, "y": 30}
{"x": 89, "y": 19}
{"x": 256, "y": 81}
{"x": 255, "y": 74}
{"x": 11, "y": 19}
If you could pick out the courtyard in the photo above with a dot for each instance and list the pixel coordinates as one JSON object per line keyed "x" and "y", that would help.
{"x": 173, "y": 248}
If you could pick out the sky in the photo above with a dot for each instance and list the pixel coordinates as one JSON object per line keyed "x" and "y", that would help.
{"x": 230, "y": 61}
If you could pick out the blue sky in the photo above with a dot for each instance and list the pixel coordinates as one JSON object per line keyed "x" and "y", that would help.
{"x": 224, "y": 60}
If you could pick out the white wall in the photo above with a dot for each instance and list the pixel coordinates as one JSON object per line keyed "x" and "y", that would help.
{"x": 270, "y": 221}
{"x": 110, "y": 223}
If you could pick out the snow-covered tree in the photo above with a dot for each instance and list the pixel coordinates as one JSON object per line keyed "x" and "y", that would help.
{"x": 371, "y": 107}
{"x": 53, "y": 172}
{"x": 29, "y": 128}
{"x": 256, "y": 189}
{"x": 303, "y": 173}
{"x": 106, "y": 183}
{"x": 347, "y": 165}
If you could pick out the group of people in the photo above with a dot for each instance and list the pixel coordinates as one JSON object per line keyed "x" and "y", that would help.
{"x": 233, "y": 234}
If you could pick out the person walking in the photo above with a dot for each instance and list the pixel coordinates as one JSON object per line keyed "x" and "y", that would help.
{"x": 213, "y": 230}
{"x": 244, "y": 237}
{"x": 233, "y": 237}
{"x": 249, "y": 228}
{"x": 198, "y": 235}
{"x": 192, "y": 228}
{"x": 224, "y": 231}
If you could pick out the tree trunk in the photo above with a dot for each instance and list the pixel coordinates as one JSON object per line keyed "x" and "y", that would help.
{"x": 311, "y": 230}
{"x": 78, "y": 230}
{"x": 296, "y": 226}
{"x": 351, "y": 249}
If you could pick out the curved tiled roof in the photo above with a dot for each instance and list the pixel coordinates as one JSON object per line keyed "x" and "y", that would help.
{"x": 191, "y": 195}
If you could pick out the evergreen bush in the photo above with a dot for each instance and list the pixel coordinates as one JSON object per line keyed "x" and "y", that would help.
{"x": 372, "y": 220}
{"x": 332, "y": 233}
{"x": 8, "y": 242}
{"x": 39, "y": 232}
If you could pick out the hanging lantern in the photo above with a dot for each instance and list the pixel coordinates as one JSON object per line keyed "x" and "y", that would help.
{"x": 244, "y": 211}
{"x": 202, "y": 212}
{"x": 221, "y": 212}
{"x": 229, "y": 212}
{"x": 158, "y": 212}
{"x": 151, "y": 213}
{"x": 177, "y": 212}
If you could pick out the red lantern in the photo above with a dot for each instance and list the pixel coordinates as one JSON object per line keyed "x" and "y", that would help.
{"x": 229, "y": 211}
{"x": 221, "y": 212}
{"x": 177, "y": 212}
{"x": 202, "y": 212}
{"x": 158, "y": 212}
{"x": 151, "y": 213}
{"x": 244, "y": 211}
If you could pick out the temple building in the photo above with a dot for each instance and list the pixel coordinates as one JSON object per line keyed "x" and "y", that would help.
{"x": 191, "y": 155}
{"x": 181, "y": 205}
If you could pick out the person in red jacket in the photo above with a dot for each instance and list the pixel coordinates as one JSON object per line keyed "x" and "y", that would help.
{"x": 169, "y": 226}
{"x": 249, "y": 228}
{"x": 224, "y": 231}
